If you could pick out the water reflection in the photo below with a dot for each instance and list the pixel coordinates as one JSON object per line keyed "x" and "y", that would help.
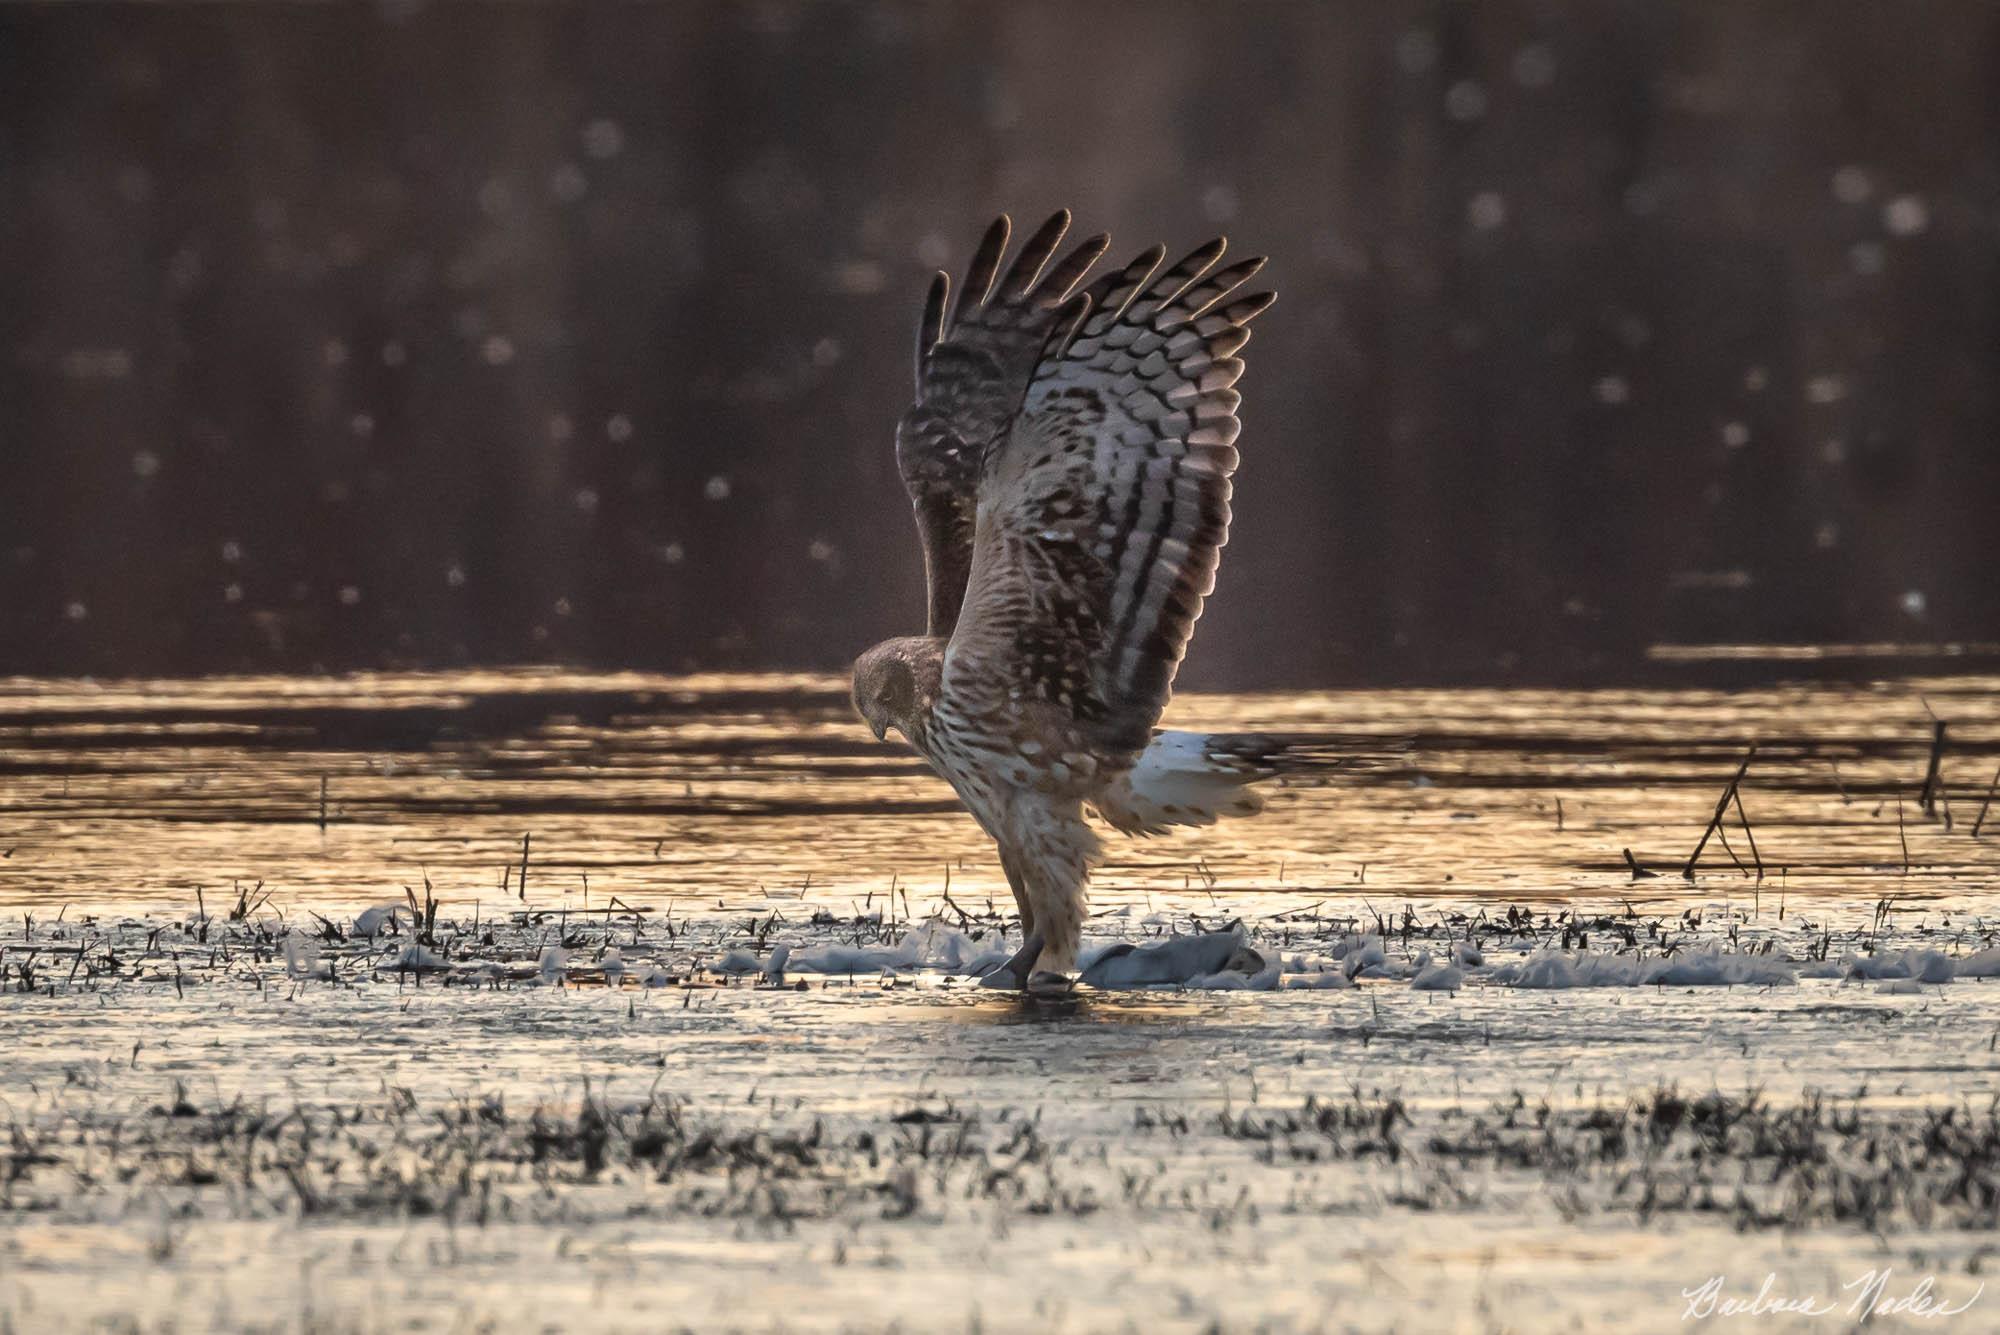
{"x": 997, "y": 1008}
{"x": 759, "y": 793}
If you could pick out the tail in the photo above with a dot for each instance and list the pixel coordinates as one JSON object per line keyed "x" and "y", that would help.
{"x": 1192, "y": 778}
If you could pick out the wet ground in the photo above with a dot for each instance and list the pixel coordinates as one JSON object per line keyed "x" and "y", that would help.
{"x": 1500, "y": 1079}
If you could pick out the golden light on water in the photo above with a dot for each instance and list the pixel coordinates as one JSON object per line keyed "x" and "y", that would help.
{"x": 1912, "y": 651}
{"x": 729, "y": 790}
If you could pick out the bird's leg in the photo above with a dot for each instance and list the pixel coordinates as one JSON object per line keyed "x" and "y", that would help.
{"x": 1020, "y": 889}
{"x": 1022, "y": 965}
{"x": 1047, "y": 869}
{"x": 1058, "y": 921}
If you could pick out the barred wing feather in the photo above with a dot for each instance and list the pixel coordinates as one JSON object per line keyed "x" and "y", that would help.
{"x": 1103, "y": 509}
{"x": 973, "y": 363}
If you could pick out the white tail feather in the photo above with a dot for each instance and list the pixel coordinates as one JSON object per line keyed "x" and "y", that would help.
{"x": 1196, "y": 778}
{"x": 1180, "y": 779}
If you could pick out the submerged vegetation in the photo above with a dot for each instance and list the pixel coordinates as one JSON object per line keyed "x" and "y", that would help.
{"x": 476, "y": 1160}
{"x": 424, "y": 1150}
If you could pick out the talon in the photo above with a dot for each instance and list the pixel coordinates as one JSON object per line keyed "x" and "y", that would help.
{"x": 1022, "y": 966}
{"x": 1049, "y": 984}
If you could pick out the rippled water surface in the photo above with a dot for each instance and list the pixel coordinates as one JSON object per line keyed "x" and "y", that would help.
{"x": 727, "y": 791}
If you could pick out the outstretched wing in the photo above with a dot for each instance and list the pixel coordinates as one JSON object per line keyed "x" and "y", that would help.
{"x": 973, "y": 367}
{"x": 1102, "y": 513}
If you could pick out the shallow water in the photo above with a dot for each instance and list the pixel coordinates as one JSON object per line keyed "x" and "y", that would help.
{"x": 979, "y": 1162}
{"x": 145, "y": 1035}
{"x": 724, "y": 792}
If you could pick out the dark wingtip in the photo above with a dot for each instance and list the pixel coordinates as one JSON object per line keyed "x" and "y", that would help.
{"x": 932, "y": 328}
{"x": 985, "y": 266}
{"x": 1063, "y": 279}
{"x": 1246, "y": 309}
{"x": 1069, "y": 320}
{"x": 1202, "y": 256}
{"x": 1034, "y": 256}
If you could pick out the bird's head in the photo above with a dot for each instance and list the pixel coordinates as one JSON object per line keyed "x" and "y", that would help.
{"x": 896, "y": 682}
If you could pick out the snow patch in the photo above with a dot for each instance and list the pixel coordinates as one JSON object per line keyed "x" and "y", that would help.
{"x": 1438, "y": 978}
{"x": 1924, "y": 966}
{"x": 1553, "y": 969}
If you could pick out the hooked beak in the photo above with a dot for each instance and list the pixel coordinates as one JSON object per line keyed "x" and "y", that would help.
{"x": 881, "y": 730}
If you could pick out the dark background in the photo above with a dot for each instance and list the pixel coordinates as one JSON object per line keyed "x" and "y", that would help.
{"x": 379, "y": 336}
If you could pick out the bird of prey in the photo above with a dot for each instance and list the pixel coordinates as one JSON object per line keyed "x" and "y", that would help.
{"x": 1068, "y": 457}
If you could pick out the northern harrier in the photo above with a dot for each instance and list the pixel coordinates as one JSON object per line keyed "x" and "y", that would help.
{"x": 1069, "y": 456}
